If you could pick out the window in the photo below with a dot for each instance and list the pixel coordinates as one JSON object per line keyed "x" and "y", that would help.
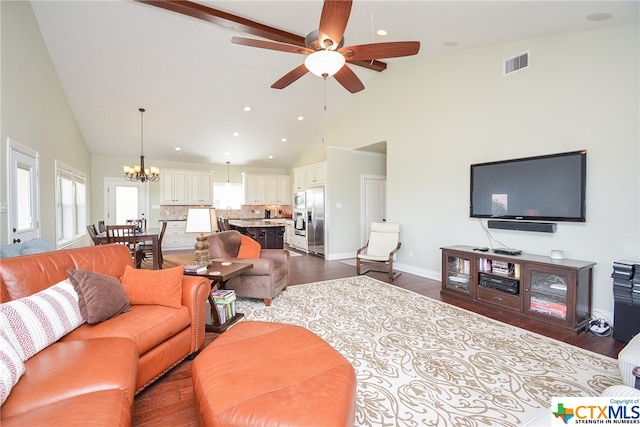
{"x": 227, "y": 195}
{"x": 71, "y": 204}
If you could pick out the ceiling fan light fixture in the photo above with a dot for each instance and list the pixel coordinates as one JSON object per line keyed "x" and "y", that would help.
{"x": 324, "y": 63}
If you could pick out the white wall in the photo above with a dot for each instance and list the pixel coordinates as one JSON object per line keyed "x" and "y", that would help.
{"x": 35, "y": 111}
{"x": 441, "y": 114}
{"x": 343, "y": 198}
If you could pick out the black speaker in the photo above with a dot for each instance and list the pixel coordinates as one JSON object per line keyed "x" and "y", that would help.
{"x": 626, "y": 321}
{"x": 543, "y": 227}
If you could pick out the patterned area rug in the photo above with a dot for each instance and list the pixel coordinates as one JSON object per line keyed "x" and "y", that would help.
{"x": 421, "y": 362}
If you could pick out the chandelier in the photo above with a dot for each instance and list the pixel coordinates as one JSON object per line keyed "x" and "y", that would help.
{"x": 139, "y": 172}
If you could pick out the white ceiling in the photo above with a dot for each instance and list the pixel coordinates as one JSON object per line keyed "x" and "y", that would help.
{"x": 113, "y": 57}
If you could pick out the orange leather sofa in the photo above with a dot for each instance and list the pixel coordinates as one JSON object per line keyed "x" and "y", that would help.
{"x": 91, "y": 375}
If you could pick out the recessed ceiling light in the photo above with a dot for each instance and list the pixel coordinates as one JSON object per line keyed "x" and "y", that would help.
{"x": 599, "y": 16}
{"x": 247, "y": 108}
{"x": 270, "y": 157}
{"x": 449, "y": 44}
{"x": 178, "y": 149}
{"x": 284, "y": 140}
{"x": 300, "y": 118}
{"x": 381, "y": 32}
{"x": 236, "y": 134}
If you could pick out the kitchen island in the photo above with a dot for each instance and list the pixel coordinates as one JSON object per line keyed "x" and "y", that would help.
{"x": 270, "y": 234}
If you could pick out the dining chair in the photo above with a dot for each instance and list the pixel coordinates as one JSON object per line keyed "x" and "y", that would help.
{"x": 124, "y": 235}
{"x": 93, "y": 233}
{"x": 101, "y": 227}
{"x": 146, "y": 248}
{"x": 140, "y": 223}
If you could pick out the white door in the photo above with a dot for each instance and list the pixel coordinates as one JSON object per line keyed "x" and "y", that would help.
{"x": 124, "y": 200}
{"x": 374, "y": 203}
{"x": 24, "y": 220}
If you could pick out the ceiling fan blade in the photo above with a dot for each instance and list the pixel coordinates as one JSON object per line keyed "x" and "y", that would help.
{"x": 347, "y": 78}
{"x": 283, "y": 47}
{"x": 290, "y": 77}
{"x": 380, "y": 50}
{"x": 333, "y": 22}
{"x": 244, "y": 25}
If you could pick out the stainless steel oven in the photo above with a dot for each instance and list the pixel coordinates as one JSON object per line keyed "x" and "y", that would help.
{"x": 299, "y": 223}
{"x": 299, "y": 200}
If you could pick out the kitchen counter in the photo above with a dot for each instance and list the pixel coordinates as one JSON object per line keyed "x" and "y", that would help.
{"x": 269, "y": 233}
{"x": 252, "y": 223}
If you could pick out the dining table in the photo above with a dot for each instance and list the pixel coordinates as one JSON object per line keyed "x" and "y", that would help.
{"x": 149, "y": 235}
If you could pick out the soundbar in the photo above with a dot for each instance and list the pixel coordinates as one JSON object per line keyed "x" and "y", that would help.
{"x": 544, "y": 227}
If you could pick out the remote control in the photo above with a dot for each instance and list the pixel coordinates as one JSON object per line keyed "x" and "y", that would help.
{"x": 483, "y": 249}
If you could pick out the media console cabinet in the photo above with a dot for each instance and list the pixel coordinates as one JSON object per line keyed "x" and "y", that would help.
{"x": 558, "y": 292}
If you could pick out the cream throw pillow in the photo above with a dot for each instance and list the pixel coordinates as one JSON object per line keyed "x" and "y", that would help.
{"x": 41, "y": 319}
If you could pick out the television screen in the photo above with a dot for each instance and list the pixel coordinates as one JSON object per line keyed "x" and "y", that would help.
{"x": 550, "y": 187}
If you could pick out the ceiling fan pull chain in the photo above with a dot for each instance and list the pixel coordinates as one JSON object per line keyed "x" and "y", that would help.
{"x": 325, "y": 94}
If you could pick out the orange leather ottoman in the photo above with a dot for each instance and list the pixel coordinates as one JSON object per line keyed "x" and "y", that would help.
{"x": 268, "y": 374}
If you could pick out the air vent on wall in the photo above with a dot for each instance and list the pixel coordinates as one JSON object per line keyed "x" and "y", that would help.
{"x": 516, "y": 63}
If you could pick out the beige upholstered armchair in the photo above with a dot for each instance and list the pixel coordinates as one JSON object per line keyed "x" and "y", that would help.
{"x": 270, "y": 272}
{"x": 380, "y": 250}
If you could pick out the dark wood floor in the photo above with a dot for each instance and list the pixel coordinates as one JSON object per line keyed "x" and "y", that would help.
{"x": 169, "y": 401}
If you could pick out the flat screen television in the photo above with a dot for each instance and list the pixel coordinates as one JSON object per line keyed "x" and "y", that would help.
{"x": 546, "y": 188}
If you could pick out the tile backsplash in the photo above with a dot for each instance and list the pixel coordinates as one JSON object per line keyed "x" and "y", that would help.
{"x": 171, "y": 212}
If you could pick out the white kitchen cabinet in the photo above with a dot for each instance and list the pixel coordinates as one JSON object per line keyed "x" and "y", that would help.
{"x": 176, "y": 237}
{"x": 315, "y": 174}
{"x": 174, "y": 187}
{"x": 309, "y": 176}
{"x": 298, "y": 180}
{"x": 255, "y": 190}
{"x": 283, "y": 195}
{"x": 200, "y": 188}
{"x": 266, "y": 189}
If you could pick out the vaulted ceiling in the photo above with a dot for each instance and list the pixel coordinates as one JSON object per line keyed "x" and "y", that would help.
{"x": 113, "y": 57}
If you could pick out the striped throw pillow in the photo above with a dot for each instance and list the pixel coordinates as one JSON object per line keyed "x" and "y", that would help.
{"x": 41, "y": 319}
{"x": 11, "y": 366}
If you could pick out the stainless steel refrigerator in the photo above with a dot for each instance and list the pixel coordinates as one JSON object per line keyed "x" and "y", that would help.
{"x": 315, "y": 220}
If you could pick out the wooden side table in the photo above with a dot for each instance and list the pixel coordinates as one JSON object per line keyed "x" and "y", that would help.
{"x": 219, "y": 272}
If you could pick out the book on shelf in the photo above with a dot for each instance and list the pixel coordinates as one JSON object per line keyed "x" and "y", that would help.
{"x": 548, "y": 307}
{"x": 226, "y": 311}
{"x": 223, "y": 295}
{"x": 195, "y": 268}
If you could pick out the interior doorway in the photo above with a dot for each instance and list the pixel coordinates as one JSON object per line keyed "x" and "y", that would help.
{"x": 24, "y": 210}
{"x": 373, "y": 190}
{"x": 124, "y": 200}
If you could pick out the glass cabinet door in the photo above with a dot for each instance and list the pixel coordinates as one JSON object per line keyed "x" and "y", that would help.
{"x": 458, "y": 273}
{"x": 547, "y": 292}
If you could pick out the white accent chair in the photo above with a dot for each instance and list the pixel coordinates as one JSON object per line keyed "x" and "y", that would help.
{"x": 629, "y": 359}
{"x": 629, "y": 362}
{"x": 380, "y": 250}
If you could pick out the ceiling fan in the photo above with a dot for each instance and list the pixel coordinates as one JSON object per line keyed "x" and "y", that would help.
{"x": 324, "y": 48}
